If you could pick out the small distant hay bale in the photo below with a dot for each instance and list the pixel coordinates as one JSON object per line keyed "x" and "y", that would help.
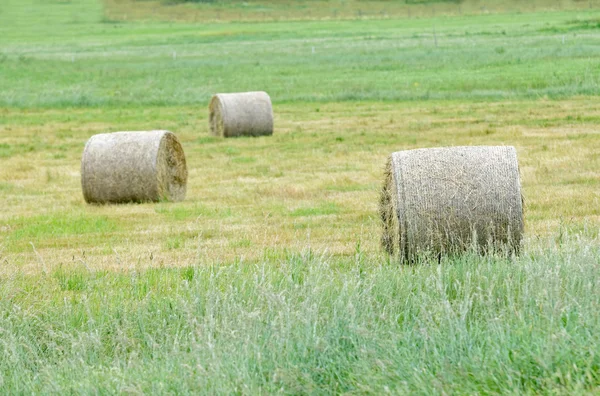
{"x": 124, "y": 167}
{"x": 448, "y": 200}
{"x": 241, "y": 114}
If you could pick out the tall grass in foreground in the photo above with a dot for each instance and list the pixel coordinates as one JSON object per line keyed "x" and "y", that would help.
{"x": 310, "y": 324}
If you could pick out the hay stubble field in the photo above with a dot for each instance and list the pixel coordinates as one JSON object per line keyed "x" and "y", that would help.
{"x": 269, "y": 277}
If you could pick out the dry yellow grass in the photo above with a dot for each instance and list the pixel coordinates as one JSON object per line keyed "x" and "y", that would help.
{"x": 314, "y": 183}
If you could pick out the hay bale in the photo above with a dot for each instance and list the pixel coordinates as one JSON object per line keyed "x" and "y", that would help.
{"x": 241, "y": 114}
{"x": 133, "y": 167}
{"x": 446, "y": 200}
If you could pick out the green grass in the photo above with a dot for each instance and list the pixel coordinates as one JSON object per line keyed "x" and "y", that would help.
{"x": 59, "y": 225}
{"x": 269, "y": 277}
{"x": 293, "y": 10}
{"x": 58, "y": 230}
{"x": 485, "y": 57}
{"x": 310, "y": 324}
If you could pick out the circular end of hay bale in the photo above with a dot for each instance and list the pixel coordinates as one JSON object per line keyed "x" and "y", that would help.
{"x": 388, "y": 212}
{"x": 241, "y": 114}
{"x": 171, "y": 169}
{"x": 123, "y": 167}
{"x": 450, "y": 200}
{"x": 215, "y": 116}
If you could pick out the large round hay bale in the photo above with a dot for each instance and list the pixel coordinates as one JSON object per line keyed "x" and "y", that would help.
{"x": 133, "y": 167}
{"x": 447, "y": 200}
{"x": 241, "y": 114}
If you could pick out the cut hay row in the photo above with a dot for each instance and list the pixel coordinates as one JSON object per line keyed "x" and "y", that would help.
{"x": 241, "y": 114}
{"x": 446, "y": 200}
{"x": 124, "y": 167}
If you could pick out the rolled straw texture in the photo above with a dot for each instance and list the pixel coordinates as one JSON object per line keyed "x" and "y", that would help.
{"x": 124, "y": 167}
{"x": 241, "y": 114}
{"x": 447, "y": 200}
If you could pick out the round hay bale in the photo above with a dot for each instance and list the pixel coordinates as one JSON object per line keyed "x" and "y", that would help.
{"x": 133, "y": 167}
{"x": 241, "y": 114}
{"x": 447, "y": 200}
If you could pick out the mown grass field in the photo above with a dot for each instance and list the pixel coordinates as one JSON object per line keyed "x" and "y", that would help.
{"x": 269, "y": 277}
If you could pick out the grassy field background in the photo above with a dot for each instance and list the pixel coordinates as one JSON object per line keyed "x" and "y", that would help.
{"x": 269, "y": 276}
{"x": 265, "y": 10}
